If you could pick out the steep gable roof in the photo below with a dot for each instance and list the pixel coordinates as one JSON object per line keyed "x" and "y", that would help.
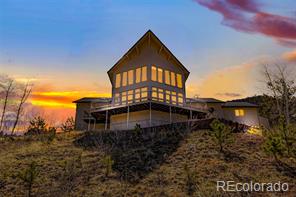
{"x": 148, "y": 35}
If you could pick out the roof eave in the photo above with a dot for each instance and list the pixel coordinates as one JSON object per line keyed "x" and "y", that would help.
{"x": 149, "y": 31}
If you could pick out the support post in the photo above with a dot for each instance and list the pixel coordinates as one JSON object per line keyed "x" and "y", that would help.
{"x": 190, "y": 114}
{"x": 127, "y": 117}
{"x": 106, "y": 122}
{"x": 95, "y": 123}
{"x": 170, "y": 114}
{"x": 89, "y": 117}
{"x": 150, "y": 114}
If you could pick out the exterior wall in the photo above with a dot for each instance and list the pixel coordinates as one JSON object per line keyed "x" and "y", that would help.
{"x": 119, "y": 122}
{"x": 148, "y": 55}
{"x": 218, "y": 111}
{"x": 250, "y": 118}
{"x": 100, "y": 126}
{"x": 197, "y": 105}
{"x": 81, "y": 108}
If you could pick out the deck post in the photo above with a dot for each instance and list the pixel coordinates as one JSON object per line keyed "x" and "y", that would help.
{"x": 170, "y": 114}
{"x": 127, "y": 117}
{"x": 190, "y": 114}
{"x": 88, "y": 125}
{"x": 106, "y": 122}
{"x": 89, "y": 117}
{"x": 95, "y": 123}
{"x": 150, "y": 114}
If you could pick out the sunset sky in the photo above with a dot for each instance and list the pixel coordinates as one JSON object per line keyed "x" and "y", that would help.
{"x": 66, "y": 46}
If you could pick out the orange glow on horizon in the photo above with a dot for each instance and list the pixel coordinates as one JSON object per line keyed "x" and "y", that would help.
{"x": 52, "y": 104}
{"x": 61, "y": 99}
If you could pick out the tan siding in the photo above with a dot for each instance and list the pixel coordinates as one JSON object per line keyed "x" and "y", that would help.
{"x": 250, "y": 118}
{"x": 142, "y": 117}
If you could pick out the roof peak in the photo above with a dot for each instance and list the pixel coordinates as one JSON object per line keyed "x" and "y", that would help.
{"x": 157, "y": 40}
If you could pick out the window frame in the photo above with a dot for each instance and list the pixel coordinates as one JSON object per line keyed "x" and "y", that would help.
{"x": 118, "y": 80}
{"x": 124, "y": 79}
{"x": 239, "y": 112}
{"x": 179, "y": 81}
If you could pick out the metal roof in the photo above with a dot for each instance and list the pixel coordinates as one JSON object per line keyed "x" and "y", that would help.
{"x": 238, "y": 104}
{"x": 93, "y": 99}
{"x": 203, "y": 100}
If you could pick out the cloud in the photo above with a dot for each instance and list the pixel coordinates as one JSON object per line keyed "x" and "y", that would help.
{"x": 290, "y": 56}
{"x": 247, "y": 16}
{"x": 227, "y": 83}
{"x": 229, "y": 94}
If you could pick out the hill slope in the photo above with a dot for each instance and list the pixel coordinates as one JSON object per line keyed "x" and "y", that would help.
{"x": 69, "y": 170}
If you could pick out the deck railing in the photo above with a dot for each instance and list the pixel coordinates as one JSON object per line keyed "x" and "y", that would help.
{"x": 97, "y": 106}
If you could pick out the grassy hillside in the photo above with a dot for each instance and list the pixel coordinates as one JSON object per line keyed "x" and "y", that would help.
{"x": 68, "y": 170}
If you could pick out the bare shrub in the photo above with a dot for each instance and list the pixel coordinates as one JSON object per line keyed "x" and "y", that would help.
{"x": 68, "y": 125}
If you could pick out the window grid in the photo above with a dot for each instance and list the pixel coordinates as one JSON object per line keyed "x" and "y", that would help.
{"x": 118, "y": 80}
{"x": 239, "y": 112}
{"x": 165, "y": 76}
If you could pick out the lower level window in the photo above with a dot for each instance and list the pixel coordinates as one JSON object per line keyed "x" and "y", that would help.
{"x": 174, "y": 98}
{"x": 180, "y": 99}
{"x": 144, "y": 94}
{"x": 239, "y": 112}
{"x": 130, "y": 96}
{"x": 123, "y": 98}
{"x": 117, "y": 99}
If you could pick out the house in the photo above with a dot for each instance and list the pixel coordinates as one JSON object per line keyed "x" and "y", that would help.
{"x": 211, "y": 105}
{"x": 242, "y": 112}
{"x": 83, "y": 118}
{"x": 149, "y": 89}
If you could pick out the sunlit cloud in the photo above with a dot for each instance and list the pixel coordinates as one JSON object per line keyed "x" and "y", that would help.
{"x": 226, "y": 84}
{"x": 290, "y": 56}
{"x": 62, "y": 99}
{"x": 248, "y": 16}
{"x": 52, "y": 104}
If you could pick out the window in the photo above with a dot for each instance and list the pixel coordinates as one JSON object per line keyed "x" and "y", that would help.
{"x": 160, "y": 94}
{"x": 173, "y": 79}
{"x": 154, "y": 93}
{"x": 130, "y": 77}
{"x": 117, "y": 98}
{"x": 124, "y": 79}
{"x": 180, "y": 98}
{"x": 144, "y": 73}
{"x": 153, "y": 73}
{"x": 123, "y": 97}
{"x": 137, "y": 95}
{"x": 130, "y": 96}
{"x": 144, "y": 94}
{"x": 168, "y": 96}
{"x": 117, "y": 80}
{"x": 239, "y": 112}
{"x": 159, "y": 75}
{"x": 179, "y": 81}
{"x": 167, "y": 77}
{"x": 174, "y": 98}
{"x": 138, "y": 75}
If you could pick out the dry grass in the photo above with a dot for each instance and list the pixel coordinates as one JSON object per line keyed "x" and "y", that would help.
{"x": 66, "y": 170}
